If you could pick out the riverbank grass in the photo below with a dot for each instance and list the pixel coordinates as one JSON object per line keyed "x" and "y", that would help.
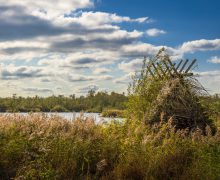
{"x": 43, "y": 147}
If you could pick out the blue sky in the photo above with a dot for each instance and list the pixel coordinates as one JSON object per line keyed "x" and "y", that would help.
{"x": 77, "y": 45}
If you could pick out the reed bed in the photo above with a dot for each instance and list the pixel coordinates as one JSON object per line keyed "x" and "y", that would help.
{"x": 41, "y": 147}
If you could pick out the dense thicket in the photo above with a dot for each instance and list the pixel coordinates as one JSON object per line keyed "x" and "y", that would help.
{"x": 93, "y": 102}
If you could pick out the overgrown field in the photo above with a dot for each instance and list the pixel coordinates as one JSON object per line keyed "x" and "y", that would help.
{"x": 38, "y": 147}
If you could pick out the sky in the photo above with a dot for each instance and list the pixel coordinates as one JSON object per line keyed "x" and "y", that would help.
{"x": 73, "y": 46}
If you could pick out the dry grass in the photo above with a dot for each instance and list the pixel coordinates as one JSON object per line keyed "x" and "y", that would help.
{"x": 39, "y": 147}
{"x": 161, "y": 90}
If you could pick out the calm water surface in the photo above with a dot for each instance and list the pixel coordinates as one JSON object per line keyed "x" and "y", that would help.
{"x": 73, "y": 115}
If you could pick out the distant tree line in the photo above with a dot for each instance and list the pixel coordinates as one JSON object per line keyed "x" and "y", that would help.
{"x": 92, "y": 102}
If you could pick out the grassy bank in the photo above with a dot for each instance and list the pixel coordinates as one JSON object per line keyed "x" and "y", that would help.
{"x": 38, "y": 147}
{"x": 116, "y": 113}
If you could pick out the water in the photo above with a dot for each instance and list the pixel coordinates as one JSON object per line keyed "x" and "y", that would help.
{"x": 73, "y": 115}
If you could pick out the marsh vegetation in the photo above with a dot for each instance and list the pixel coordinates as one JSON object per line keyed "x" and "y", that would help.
{"x": 150, "y": 144}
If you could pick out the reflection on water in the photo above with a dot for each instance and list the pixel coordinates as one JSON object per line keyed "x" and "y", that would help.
{"x": 73, "y": 115}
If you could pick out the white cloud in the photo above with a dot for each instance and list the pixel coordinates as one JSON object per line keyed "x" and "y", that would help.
{"x": 209, "y": 73}
{"x": 79, "y": 60}
{"x": 200, "y": 45}
{"x": 155, "y": 32}
{"x": 23, "y": 44}
{"x": 145, "y": 49}
{"x": 50, "y": 7}
{"x": 105, "y": 78}
{"x": 131, "y": 66}
{"x": 80, "y": 78}
{"x": 83, "y": 78}
{"x": 94, "y": 87}
{"x": 210, "y": 80}
{"x": 12, "y": 72}
{"x": 102, "y": 18}
{"x": 86, "y": 89}
{"x": 101, "y": 70}
{"x": 140, "y": 49}
{"x": 214, "y": 59}
{"x": 45, "y": 43}
{"x": 37, "y": 90}
{"x": 126, "y": 79}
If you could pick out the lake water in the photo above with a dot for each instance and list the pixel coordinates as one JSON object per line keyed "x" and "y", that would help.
{"x": 73, "y": 115}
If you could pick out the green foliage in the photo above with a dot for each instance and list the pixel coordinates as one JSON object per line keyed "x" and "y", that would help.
{"x": 212, "y": 105}
{"x": 93, "y": 102}
{"x": 113, "y": 113}
{"x": 160, "y": 93}
{"x": 58, "y": 108}
{"x": 37, "y": 147}
{"x": 142, "y": 92}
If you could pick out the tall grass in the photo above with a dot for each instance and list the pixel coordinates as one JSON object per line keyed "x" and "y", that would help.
{"x": 41, "y": 147}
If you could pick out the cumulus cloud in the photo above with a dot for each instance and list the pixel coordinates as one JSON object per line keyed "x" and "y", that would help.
{"x": 93, "y": 87}
{"x": 111, "y": 42}
{"x": 84, "y": 78}
{"x": 141, "y": 49}
{"x": 37, "y": 90}
{"x": 126, "y": 79}
{"x": 209, "y": 73}
{"x": 61, "y": 42}
{"x": 200, "y": 45}
{"x": 80, "y": 78}
{"x": 102, "y": 18}
{"x": 145, "y": 49}
{"x": 210, "y": 80}
{"x": 131, "y": 66}
{"x": 101, "y": 70}
{"x": 15, "y": 24}
{"x": 79, "y": 60}
{"x": 12, "y": 72}
{"x": 105, "y": 77}
{"x": 49, "y": 7}
{"x": 214, "y": 59}
{"x": 155, "y": 32}
{"x": 86, "y": 89}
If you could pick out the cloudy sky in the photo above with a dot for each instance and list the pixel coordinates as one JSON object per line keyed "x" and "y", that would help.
{"x": 71, "y": 46}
